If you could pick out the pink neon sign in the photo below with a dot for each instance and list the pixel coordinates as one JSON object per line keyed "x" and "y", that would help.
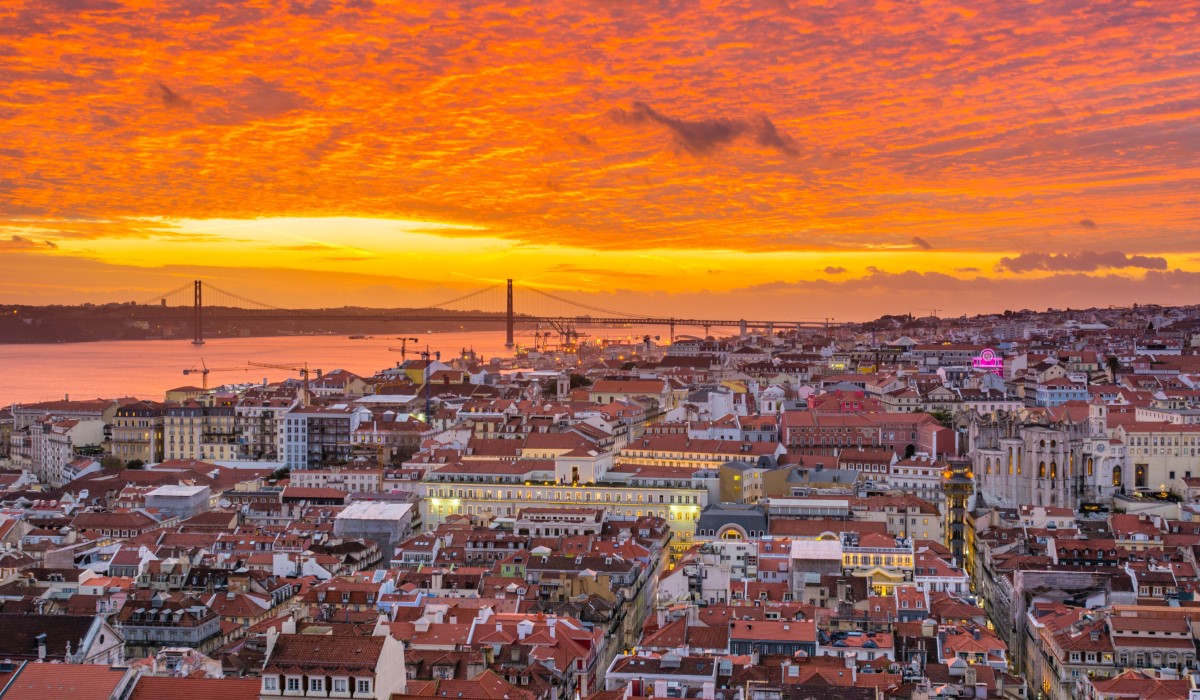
{"x": 989, "y": 362}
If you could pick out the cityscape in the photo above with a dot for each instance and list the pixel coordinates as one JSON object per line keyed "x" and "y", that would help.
{"x": 511, "y": 350}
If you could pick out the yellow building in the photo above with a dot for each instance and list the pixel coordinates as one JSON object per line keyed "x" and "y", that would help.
{"x": 137, "y": 432}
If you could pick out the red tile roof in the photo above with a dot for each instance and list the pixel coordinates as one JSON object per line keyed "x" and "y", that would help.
{"x": 160, "y": 688}
{"x": 64, "y": 682}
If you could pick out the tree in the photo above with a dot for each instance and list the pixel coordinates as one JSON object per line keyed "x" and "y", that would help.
{"x": 135, "y": 464}
{"x": 111, "y": 462}
{"x": 943, "y": 416}
{"x": 280, "y": 473}
{"x": 1114, "y": 365}
{"x": 579, "y": 381}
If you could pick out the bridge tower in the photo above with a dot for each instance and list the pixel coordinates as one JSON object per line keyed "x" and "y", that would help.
{"x": 198, "y": 314}
{"x": 508, "y": 318}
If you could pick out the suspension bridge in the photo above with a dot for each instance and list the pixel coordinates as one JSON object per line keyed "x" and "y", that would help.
{"x": 491, "y": 305}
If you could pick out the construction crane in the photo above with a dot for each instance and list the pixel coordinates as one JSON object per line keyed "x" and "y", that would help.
{"x": 205, "y": 369}
{"x": 426, "y": 355}
{"x": 403, "y": 349}
{"x": 301, "y": 368}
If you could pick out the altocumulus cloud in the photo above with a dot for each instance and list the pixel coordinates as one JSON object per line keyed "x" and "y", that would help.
{"x": 1085, "y": 261}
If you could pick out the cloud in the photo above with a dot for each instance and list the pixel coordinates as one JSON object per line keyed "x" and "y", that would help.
{"x": 701, "y": 136}
{"x": 966, "y": 269}
{"x": 569, "y": 268}
{"x": 498, "y": 117}
{"x": 1088, "y": 224}
{"x": 1085, "y": 261}
{"x": 770, "y": 137}
{"x": 834, "y": 270}
{"x": 922, "y": 243}
{"x": 21, "y": 243}
{"x": 171, "y": 99}
{"x": 333, "y": 251}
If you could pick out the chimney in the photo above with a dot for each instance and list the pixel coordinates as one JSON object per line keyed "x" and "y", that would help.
{"x": 41, "y": 648}
{"x": 289, "y": 625}
{"x": 852, "y": 664}
{"x": 660, "y": 689}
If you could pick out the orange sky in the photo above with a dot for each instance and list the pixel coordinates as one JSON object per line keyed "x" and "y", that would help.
{"x": 805, "y": 157}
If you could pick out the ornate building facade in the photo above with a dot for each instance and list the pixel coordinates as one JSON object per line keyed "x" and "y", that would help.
{"x": 1028, "y": 457}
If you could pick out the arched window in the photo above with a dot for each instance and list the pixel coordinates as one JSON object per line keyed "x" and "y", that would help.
{"x": 1054, "y": 470}
{"x": 1010, "y": 462}
{"x": 1042, "y": 444}
{"x": 1041, "y": 470}
{"x": 1116, "y": 481}
{"x": 1090, "y": 466}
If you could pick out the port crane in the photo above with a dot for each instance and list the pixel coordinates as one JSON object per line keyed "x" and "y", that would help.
{"x": 205, "y": 369}
{"x": 302, "y": 369}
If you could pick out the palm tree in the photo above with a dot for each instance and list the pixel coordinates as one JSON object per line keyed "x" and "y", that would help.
{"x": 1114, "y": 365}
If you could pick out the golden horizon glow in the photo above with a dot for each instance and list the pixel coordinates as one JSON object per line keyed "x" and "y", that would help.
{"x": 839, "y": 161}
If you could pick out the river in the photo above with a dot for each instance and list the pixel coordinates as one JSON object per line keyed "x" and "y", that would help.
{"x": 147, "y": 368}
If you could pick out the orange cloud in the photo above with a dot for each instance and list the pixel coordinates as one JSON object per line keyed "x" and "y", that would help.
{"x": 976, "y": 129}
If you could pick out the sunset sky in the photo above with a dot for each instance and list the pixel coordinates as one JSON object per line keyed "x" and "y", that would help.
{"x": 774, "y": 159}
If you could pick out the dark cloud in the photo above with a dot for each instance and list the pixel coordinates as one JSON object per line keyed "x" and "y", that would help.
{"x": 266, "y": 98}
{"x": 1088, "y": 224}
{"x": 581, "y": 139}
{"x": 834, "y": 270}
{"x": 22, "y": 243}
{"x": 770, "y": 137}
{"x": 922, "y": 243}
{"x": 1086, "y": 261}
{"x": 316, "y": 8}
{"x": 86, "y": 5}
{"x": 702, "y": 136}
{"x": 171, "y": 99}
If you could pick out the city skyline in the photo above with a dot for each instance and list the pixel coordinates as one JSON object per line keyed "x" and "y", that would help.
{"x": 860, "y": 160}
